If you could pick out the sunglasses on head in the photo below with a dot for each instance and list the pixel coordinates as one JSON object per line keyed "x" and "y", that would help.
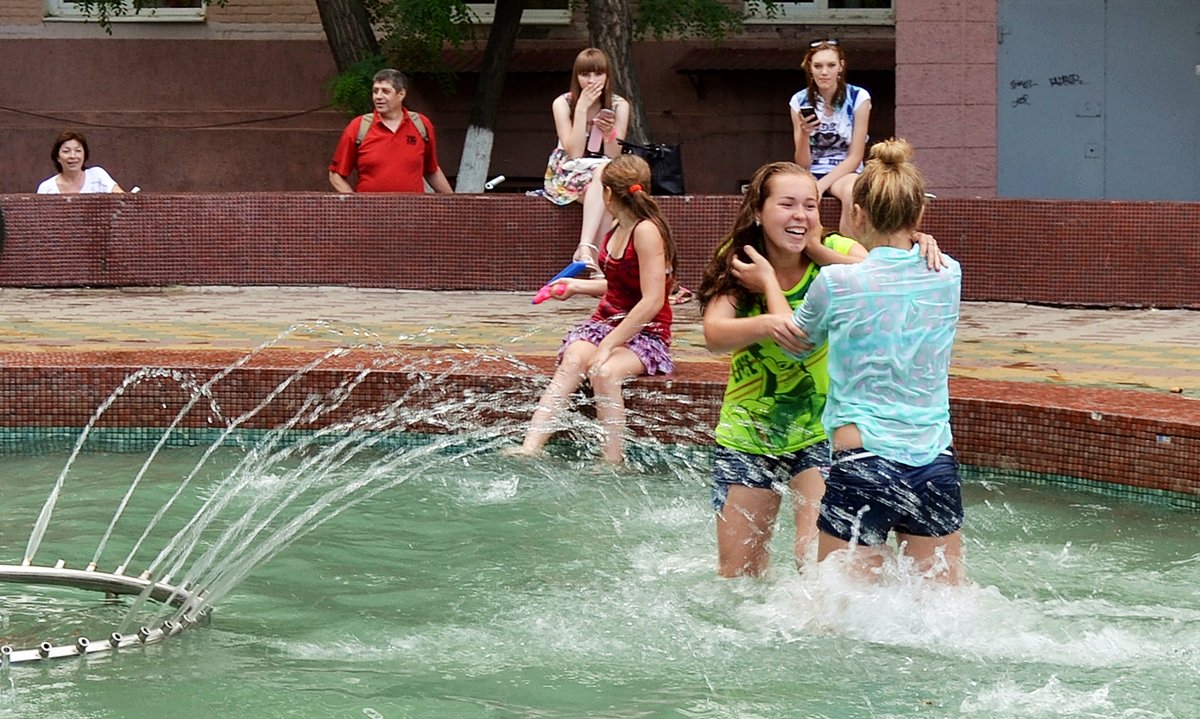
{"x": 819, "y": 43}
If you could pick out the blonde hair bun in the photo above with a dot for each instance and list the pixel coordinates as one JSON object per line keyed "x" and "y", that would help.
{"x": 892, "y": 152}
{"x": 891, "y": 189}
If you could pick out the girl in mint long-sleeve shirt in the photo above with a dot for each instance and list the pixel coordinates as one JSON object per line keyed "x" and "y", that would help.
{"x": 889, "y": 322}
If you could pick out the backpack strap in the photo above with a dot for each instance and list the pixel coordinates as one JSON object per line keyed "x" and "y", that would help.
{"x": 420, "y": 124}
{"x": 364, "y": 126}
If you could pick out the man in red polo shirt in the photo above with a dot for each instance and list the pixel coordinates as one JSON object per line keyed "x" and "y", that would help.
{"x": 396, "y": 153}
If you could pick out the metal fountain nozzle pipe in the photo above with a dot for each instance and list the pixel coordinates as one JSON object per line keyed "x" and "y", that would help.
{"x": 112, "y": 585}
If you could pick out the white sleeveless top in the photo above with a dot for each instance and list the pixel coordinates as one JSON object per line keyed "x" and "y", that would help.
{"x": 95, "y": 179}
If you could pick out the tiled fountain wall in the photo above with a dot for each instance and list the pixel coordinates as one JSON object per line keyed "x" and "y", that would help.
{"x": 1075, "y": 253}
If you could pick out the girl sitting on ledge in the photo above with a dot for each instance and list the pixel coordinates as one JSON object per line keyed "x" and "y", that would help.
{"x": 589, "y": 120}
{"x": 630, "y": 332}
{"x": 829, "y": 124}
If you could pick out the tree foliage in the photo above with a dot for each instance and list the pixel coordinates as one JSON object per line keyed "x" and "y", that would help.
{"x": 105, "y": 10}
{"x": 709, "y": 19}
{"x": 415, "y": 33}
{"x": 351, "y": 90}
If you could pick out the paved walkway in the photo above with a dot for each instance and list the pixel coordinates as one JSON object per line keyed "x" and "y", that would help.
{"x": 1156, "y": 350}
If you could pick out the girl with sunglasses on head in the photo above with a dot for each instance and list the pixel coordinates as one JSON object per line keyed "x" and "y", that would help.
{"x": 829, "y": 124}
{"x": 629, "y": 334}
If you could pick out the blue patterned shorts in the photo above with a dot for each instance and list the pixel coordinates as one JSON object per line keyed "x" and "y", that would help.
{"x": 761, "y": 471}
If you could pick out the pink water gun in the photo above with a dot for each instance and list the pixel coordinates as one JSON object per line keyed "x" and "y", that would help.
{"x": 572, "y": 270}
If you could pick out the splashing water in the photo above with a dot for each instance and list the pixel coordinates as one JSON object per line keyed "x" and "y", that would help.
{"x": 240, "y": 522}
{"x": 368, "y": 567}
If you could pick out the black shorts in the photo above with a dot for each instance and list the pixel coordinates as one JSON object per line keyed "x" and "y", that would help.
{"x": 867, "y": 496}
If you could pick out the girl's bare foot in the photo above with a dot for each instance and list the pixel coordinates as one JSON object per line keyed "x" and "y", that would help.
{"x": 521, "y": 451}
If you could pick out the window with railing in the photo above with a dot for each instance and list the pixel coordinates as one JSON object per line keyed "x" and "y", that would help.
{"x": 842, "y": 12}
{"x": 537, "y": 12}
{"x": 151, "y": 10}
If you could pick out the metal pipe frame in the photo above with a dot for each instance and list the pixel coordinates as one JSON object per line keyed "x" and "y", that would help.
{"x": 112, "y": 583}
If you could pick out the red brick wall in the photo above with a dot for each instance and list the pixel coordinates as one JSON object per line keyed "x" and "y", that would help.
{"x": 1056, "y": 252}
{"x": 1140, "y": 440}
{"x": 1096, "y": 253}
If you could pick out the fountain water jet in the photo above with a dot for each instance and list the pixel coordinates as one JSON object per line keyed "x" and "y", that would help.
{"x": 289, "y": 482}
{"x": 243, "y": 544}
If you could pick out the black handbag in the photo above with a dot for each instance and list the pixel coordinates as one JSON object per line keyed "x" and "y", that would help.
{"x": 666, "y": 166}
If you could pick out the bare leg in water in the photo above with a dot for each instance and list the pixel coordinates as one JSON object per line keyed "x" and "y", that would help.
{"x": 567, "y": 378}
{"x": 608, "y": 381}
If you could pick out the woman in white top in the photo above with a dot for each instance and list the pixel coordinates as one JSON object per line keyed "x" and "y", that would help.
{"x": 829, "y": 124}
{"x": 69, "y": 153}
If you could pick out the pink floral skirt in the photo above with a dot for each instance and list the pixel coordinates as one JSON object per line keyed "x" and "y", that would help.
{"x": 650, "y": 349}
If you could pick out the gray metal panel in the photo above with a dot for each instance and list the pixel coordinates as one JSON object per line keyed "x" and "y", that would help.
{"x": 1050, "y": 102}
{"x": 1153, "y": 126}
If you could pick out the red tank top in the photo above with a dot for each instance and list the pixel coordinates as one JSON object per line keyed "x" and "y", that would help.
{"x": 625, "y": 290}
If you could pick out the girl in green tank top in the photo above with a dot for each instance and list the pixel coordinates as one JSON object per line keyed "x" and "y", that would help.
{"x": 769, "y": 434}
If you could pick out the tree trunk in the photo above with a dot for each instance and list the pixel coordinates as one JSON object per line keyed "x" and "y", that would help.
{"x": 477, "y": 146}
{"x": 348, "y": 29}
{"x": 610, "y": 27}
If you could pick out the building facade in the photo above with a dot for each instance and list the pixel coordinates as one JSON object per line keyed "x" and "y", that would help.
{"x": 234, "y": 98}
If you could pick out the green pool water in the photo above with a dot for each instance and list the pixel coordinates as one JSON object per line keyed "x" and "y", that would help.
{"x": 488, "y": 587}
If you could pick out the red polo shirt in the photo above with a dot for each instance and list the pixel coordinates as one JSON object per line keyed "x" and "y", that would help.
{"x": 387, "y": 161}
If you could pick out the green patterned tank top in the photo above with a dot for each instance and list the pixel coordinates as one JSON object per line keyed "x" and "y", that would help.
{"x": 773, "y": 403}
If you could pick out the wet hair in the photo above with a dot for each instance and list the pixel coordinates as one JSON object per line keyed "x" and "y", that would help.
{"x": 839, "y": 95}
{"x": 718, "y": 276}
{"x": 891, "y": 190}
{"x": 590, "y": 60}
{"x": 395, "y": 78}
{"x": 622, "y": 174}
{"x": 63, "y": 138}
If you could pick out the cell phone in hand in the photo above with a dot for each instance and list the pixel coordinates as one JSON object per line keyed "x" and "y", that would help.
{"x": 595, "y": 143}
{"x": 808, "y": 112}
